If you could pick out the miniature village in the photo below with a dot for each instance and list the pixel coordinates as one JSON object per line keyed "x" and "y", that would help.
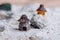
{"x": 30, "y": 22}
{"x": 24, "y": 21}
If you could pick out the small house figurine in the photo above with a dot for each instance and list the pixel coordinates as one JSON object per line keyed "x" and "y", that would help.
{"x": 41, "y": 10}
{"x": 23, "y": 23}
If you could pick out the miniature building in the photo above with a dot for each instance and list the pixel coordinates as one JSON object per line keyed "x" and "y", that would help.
{"x": 41, "y": 10}
{"x": 5, "y": 6}
{"x": 23, "y": 23}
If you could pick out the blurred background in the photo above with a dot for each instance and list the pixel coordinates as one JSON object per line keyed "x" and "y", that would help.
{"x": 48, "y": 3}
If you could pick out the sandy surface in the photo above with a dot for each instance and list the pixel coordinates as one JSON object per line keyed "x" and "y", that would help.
{"x": 48, "y": 3}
